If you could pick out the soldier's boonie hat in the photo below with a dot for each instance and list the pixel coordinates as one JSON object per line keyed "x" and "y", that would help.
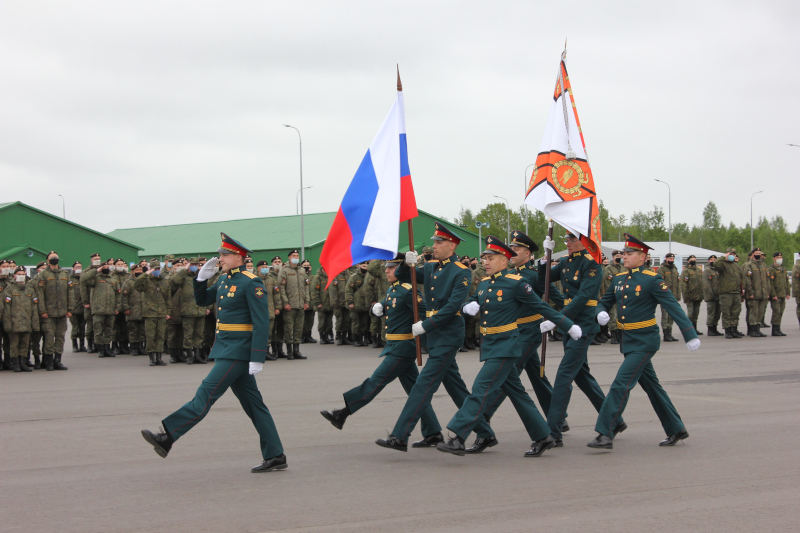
{"x": 730, "y": 250}
{"x": 399, "y": 258}
{"x": 427, "y": 250}
{"x": 155, "y": 263}
{"x": 194, "y": 260}
{"x": 201, "y": 259}
{"x": 274, "y": 258}
{"x": 262, "y": 262}
{"x": 441, "y": 233}
{"x": 632, "y": 244}
{"x": 232, "y": 246}
{"x": 169, "y": 257}
{"x": 670, "y": 254}
{"x": 496, "y": 246}
{"x": 295, "y": 251}
{"x": 520, "y": 239}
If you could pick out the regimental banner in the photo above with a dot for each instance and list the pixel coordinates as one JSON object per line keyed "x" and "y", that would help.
{"x": 562, "y": 183}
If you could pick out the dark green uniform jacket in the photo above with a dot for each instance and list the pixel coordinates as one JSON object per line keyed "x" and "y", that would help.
{"x": 692, "y": 284}
{"x": 636, "y": 294}
{"x": 399, "y": 312}
{"x": 320, "y": 295}
{"x": 20, "y": 308}
{"x": 242, "y": 331}
{"x": 529, "y": 323}
{"x": 671, "y": 277}
{"x": 730, "y": 279}
{"x": 580, "y": 277}
{"x": 75, "y": 288}
{"x": 55, "y": 296}
{"x": 156, "y": 297}
{"x": 182, "y": 282}
{"x": 356, "y": 292}
{"x": 446, "y": 289}
{"x": 504, "y": 298}
{"x": 132, "y": 300}
{"x": 779, "y": 280}
{"x": 105, "y": 291}
{"x": 710, "y": 284}
{"x": 756, "y": 280}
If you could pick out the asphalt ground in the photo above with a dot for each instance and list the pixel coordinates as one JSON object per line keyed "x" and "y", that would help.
{"x": 74, "y": 459}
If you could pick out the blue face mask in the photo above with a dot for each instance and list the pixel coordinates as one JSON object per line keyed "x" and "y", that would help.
{"x": 169, "y": 265}
{"x": 295, "y": 260}
{"x": 192, "y": 268}
{"x": 156, "y": 272}
{"x": 264, "y": 270}
{"x": 731, "y": 258}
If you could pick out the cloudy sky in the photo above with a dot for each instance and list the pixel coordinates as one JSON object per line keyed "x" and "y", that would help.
{"x": 153, "y": 113}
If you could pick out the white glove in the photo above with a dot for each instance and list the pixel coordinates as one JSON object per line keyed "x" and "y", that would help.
{"x": 417, "y": 329}
{"x": 377, "y": 309}
{"x": 575, "y": 332}
{"x": 693, "y": 345}
{"x": 471, "y": 308}
{"x": 255, "y": 368}
{"x": 411, "y": 258}
{"x": 549, "y": 244}
{"x": 603, "y": 318}
{"x": 546, "y": 326}
{"x": 208, "y": 270}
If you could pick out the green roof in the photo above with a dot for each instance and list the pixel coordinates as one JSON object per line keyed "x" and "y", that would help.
{"x": 267, "y": 233}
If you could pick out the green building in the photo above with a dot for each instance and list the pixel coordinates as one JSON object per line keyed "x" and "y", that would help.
{"x": 27, "y": 235}
{"x": 269, "y": 236}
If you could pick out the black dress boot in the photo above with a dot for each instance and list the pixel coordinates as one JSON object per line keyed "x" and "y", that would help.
{"x": 729, "y": 334}
{"x": 289, "y": 352}
{"x": 780, "y": 332}
{"x": 297, "y": 354}
{"x": 101, "y": 351}
{"x": 114, "y": 350}
{"x": 758, "y": 331}
{"x": 271, "y": 355}
{"x": 75, "y": 346}
{"x": 152, "y": 358}
{"x": 23, "y": 365}
{"x": 15, "y": 364}
{"x": 198, "y": 357}
{"x": 57, "y": 362}
{"x": 281, "y": 353}
{"x": 161, "y": 442}
{"x": 775, "y": 330}
{"x": 323, "y": 338}
{"x": 92, "y": 346}
{"x": 48, "y": 361}
{"x": 310, "y": 339}
{"x": 189, "y": 356}
{"x": 159, "y": 362}
{"x": 336, "y": 417}
{"x": 357, "y": 340}
{"x": 712, "y": 333}
{"x": 83, "y": 345}
{"x": 338, "y": 339}
{"x": 615, "y": 336}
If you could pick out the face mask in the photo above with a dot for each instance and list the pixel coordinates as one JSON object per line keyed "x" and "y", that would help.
{"x": 295, "y": 261}
{"x": 427, "y": 256}
{"x": 95, "y": 262}
{"x": 156, "y": 272}
{"x": 779, "y": 262}
{"x": 144, "y": 269}
{"x": 53, "y": 260}
{"x": 137, "y": 274}
{"x": 20, "y": 278}
{"x": 473, "y": 266}
{"x": 693, "y": 263}
{"x": 77, "y": 271}
{"x": 249, "y": 269}
{"x": 169, "y": 264}
{"x": 618, "y": 260}
{"x": 120, "y": 269}
{"x": 104, "y": 270}
{"x": 178, "y": 269}
{"x": 731, "y": 258}
{"x": 264, "y": 270}
{"x": 192, "y": 268}
{"x": 670, "y": 262}
{"x": 6, "y": 271}
{"x": 757, "y": 257}
{"x": 308, "y": 269}
{"x": 647, "y": 263}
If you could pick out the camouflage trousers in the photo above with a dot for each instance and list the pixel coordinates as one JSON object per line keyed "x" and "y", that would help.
{"x": 103, "y": 328}
{"x": 53, "y": 332}
{"x": 713, "y": 312}
{"x": 154, "y": 330}
{"x": 375, "y": 325}
{"x": 35, "y": 344}
{"x": 324, "y": 321}
{"x": 292, "y": 325}
{"x": 666, "y": 320}
{"x": 135, "y": 330}
{"x": 693, "y": 311}
{"x": 731, "y": 306}
{"x": 359, "y": 322}
{"x": 778, "y": 307}
{"x": 18, "y": 344}
{"x": 120, "y": 328}
{"x": 78, "y": 323}
{"x": 193, "y": 332}
{"x": 87, "y": 315}
{"x": 276, "y": 328}
{"x": 174, "y": 335}
{"x": 756, "y": 310}
{"x": 612, "y": 322}
{"x": 308, "y": 321}
{"x": 342, "y": 319}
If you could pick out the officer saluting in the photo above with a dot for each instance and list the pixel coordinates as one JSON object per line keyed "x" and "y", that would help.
{"x": 240, "y": 348}
{"x": 636, "y": 294}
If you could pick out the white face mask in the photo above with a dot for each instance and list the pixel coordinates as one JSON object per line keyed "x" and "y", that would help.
{"x": 96, "y": 262}
{"x": 295, "y": 260}
{"x": 20, "y": 278}
{"x": 779, "y": 262}
{"x": 249, "y": 269}
{"x": 77, "y": 271}
{"x": 178, "y": 269}
{"x": 6, "y": 271}
{"x": 120, "y": 269}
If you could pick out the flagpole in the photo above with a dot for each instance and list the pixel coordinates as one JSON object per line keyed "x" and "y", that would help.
{"x": 546, "y": 297}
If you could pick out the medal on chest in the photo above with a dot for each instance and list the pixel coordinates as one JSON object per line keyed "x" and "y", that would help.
{"x": 500, "y": 295}
{"x": 232, "y": 292}
{"x": 638, "y": 289}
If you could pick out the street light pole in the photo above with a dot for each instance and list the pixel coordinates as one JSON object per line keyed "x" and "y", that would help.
{"x": 297, "y": 196}
{"x": 751, "y": 218}
{"x": 302, "y": 226}
{"x": 480, "y": 225}
{"x": 63, "y": 208}
{"x": 525, "y": 194}
{"x": 508, "y": 218}
{"x": 669, "y": 196}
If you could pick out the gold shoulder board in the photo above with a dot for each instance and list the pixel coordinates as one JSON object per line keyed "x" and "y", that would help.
{"x": 487, "y": 277}
{"x": 249, "y": 274}
{"x": 406, "y": 286}
{"x": 623, "y": 273}
{"x": 461, "y": 265}
{"x": 649, "y": 273}
{"x": 513, "y": 276}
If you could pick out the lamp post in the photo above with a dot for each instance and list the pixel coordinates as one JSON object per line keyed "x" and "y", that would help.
{"x": 669, "y": 204}
{"x": 508, "y": 218}
{"x": 297, "y": 196}
{"x": 63, "y": 208}
{"x": 480, "y": 225}
{"x": 525, "y": 195}
{"x": 751, "y": 217}
{"x": 302, "y": 226}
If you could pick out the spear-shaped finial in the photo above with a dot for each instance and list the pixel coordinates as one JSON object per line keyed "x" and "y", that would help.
{"x": 399, "y": 83}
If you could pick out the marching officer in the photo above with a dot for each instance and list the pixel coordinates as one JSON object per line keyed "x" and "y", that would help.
{"x": 56, "y": 301}
{"x": 671, "y": 276}
{"x": 636, "y": 293}
{"x": 446, "y": 286}
{"x": 692, "y": 289}
{"x": 133, "y": 310}
{"x": 20, "y": 314}
{"x": 399, "y": 354}
{"x": 756, "y": 292}
{"x": 711, "y": 296}
{"x": 156, "y": 303}
{"x": 242, "y": 337}
{"x": 580, "y": 277}
{"x": 730, "y": 292}
{"x": 294, "y": 302}
{"x": 341, "y": 312}
{"x": 321, "y": 302}
{"x": 503, "y": 298}
{"x": 779, "y": 292}
{"x": 78, "y": 319}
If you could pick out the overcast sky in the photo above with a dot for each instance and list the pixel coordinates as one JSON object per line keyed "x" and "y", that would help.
{"x": 154, "y": 113}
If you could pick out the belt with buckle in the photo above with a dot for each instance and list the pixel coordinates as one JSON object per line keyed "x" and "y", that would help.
{"x": 499, "y": 329}
{"x": 235, "y": 327}
{"x": 636, "y": 325}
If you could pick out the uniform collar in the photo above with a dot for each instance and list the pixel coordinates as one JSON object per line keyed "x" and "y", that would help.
{"x": 449, "y": 259}
{"x": 637, "y": 269}
{"x": 234, "y": 271}
{"x": 576, "y": 254}
{"x": 396, "y": 283}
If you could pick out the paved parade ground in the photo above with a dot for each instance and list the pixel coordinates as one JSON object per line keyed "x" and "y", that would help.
{"x": 74, "y": 460}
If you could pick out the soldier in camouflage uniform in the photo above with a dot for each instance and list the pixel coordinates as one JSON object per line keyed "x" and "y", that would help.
{"x": 78, "y": 319}
{"x": 262, "y": 271}
{"x": 193, "y": 316}
{"x": 692, "y": 290}
{"x": 356, "y": 296}
{"x": 796, "y": 286}
{"x": 106, "y": 303}
{"x": 671, "y": 276}
{"x": 35, "y": 345}
{"x": 86, "y": 298}
{"x": 321, "y": 302}
{"x": 276, "y": 324}
{"x": 294, "y": 301}
{"x": 20, "y": 313}
{"x": 56, "y": 301}
{"x": 756, "y": 292}
{"x": 730, "y": 292}
{"x": 779, "y": 292}
{"x": 339, "y": 305}
{"x": 174, "y": 332}
{"x": 120, "y": 344}
{"x": 156, "y": 302}
{"x": 6, "y": 278}
{"x": 132, "y": 308}
{"x": 614, "y": 267}
{"x": 471, "y": 325}
{"x": 711, "y": 296}
{"x": 309, "y": 314}
{"x": 376, "y": 285}
{"x": 210, "y": 325}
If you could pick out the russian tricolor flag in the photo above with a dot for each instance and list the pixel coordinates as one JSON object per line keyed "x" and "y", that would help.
{"x": 379, "y": 197}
